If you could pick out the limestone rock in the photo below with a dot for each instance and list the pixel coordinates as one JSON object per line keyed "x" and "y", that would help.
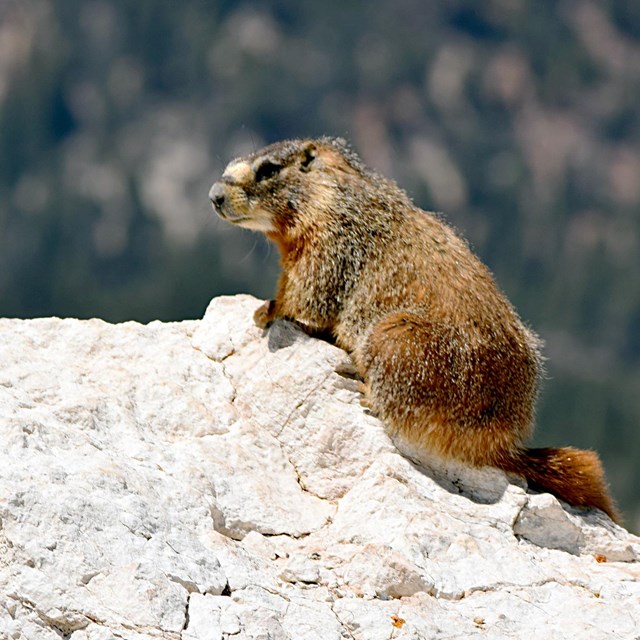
{"x": 210, "y": 480}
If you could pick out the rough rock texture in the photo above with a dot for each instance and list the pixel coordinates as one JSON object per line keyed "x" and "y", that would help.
{"x": 207, "y": 480}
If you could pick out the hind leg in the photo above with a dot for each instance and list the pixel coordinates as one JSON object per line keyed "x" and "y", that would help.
{"x": 444, "y": 389}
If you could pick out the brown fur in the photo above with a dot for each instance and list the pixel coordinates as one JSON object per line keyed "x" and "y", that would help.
{"x": 445, "y": 359}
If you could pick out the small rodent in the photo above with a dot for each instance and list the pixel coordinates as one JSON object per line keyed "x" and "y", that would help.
{"x": 444, "y": 357}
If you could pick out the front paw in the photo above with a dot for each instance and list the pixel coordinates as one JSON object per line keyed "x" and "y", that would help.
{"x": 366, "y": 401}
{"x": 265, "y": 314}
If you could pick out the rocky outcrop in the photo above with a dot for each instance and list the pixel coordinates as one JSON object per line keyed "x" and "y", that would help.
{"x": 205, "y": 479}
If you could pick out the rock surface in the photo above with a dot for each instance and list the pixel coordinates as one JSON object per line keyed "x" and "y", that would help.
{"x": 207, "y": 480}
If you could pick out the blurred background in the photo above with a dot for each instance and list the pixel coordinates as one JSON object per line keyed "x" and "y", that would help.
{"x": 520, "y": 119}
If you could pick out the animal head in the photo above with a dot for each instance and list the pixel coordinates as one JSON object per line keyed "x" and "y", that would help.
{"x": 279, "y": 189}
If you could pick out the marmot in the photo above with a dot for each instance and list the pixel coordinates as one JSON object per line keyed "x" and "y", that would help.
{"x": 444, "y": 357}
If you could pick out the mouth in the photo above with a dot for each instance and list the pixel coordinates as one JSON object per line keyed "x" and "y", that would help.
{"x": 232, "y": 204}
{"x": 229, "y": 215}
{"x": 239, "y": 220}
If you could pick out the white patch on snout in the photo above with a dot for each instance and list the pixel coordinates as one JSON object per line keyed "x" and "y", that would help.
{"x": 240, "y": 172}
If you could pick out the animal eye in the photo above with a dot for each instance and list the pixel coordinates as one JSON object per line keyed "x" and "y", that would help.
{"x": 267, "y": 170}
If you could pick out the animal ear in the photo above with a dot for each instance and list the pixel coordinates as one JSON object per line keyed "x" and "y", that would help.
{"x": 309, "y": 154}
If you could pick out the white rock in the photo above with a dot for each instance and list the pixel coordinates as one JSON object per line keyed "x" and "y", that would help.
{"x": 211, "y": 480}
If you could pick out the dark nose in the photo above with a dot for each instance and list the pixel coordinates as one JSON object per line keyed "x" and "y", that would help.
{"x": 217, "y": 194}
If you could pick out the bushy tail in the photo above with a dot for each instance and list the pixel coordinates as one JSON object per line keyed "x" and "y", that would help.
{"x": 573, "y": 475}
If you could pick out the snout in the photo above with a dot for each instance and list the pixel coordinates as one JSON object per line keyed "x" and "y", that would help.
{"x": 229, "y": 201}
{"x": 232, "y": 202}
{"x": 217, "y": 195}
